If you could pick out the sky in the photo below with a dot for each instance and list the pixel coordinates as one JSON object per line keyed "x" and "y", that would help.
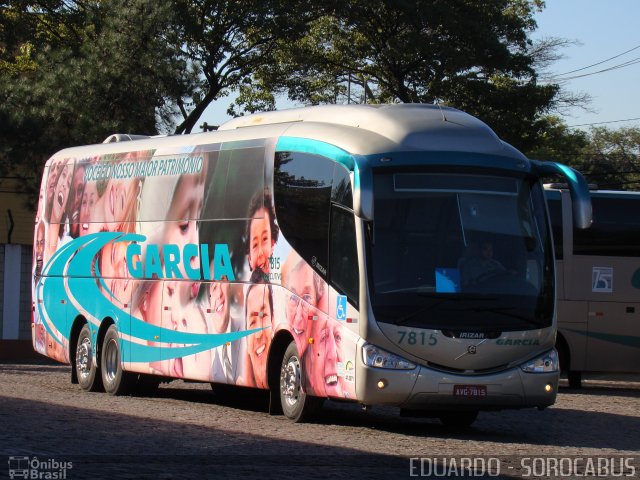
{"x": 600, "y": 30}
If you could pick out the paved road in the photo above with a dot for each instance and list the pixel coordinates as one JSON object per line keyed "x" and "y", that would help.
{"x": 185, "y": 430}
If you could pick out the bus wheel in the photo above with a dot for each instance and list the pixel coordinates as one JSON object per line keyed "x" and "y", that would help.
{"x": 575, "y": 379}
{"x": 115, "y": 380}
{"x": 86, "y": 371}
{"x": 296, "y": 404}
{"x": 458, "y": 419}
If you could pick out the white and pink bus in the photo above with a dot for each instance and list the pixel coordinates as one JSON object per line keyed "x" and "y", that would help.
{"x": 386, "y": 255}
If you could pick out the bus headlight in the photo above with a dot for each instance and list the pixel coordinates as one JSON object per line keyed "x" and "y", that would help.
{"x": 546, "y": 363}
{"x": 377, "y": 357}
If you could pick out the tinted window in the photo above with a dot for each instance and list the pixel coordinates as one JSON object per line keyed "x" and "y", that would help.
{"x": 342, "y": 187}
{"x": 615, "y": 230}
{"x": 344, "y": 253}
{"x": 233, "y": 176}
{"x": 302, "y": 189}
{"x": 555, "y": 212}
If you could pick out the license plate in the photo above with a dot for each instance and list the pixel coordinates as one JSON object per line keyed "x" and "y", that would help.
{"x": 474, "y": 391}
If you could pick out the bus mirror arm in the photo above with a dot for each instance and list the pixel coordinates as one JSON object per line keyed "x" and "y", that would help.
{"x": 578, "y": 189}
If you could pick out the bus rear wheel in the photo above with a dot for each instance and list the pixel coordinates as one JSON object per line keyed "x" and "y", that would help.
{"x": 86, "y": 371}
{"x": 115, "y": 380}
{"x": 458, "y": 419}
{"x": 296, "y": 404}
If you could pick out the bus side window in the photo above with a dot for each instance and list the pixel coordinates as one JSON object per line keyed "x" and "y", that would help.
{"x": 302, "y": 197}
{"x": 343, "y": 266}
{"x": 615, "y": 231}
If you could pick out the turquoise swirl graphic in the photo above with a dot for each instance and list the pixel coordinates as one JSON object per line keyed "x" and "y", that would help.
{"x": 69, "y": 286}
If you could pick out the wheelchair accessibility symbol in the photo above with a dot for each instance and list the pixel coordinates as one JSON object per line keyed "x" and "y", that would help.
{"x": 341, "y": 308}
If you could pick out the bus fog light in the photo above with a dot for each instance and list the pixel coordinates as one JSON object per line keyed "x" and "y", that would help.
{"x": 382, "y": 383}
{"x": 546, "y": 363}
{"x": 377, "y": 357}
{"x": 548, "y": 388}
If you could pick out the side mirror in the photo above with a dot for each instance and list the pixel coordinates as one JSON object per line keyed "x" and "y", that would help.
{"x": 578, "y": 189}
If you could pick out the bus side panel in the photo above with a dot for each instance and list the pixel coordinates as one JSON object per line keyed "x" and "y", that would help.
{"x": 613, "y": 343}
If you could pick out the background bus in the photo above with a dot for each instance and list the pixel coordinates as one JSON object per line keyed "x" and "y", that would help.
{"x": 395, "y": 255}
{"x": 598, "y": 273}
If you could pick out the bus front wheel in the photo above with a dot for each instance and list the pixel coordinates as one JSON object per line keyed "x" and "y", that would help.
{"x": 115, "y": 380}
{"x": 86, "y": 370}
{"x": 296, "y": 404}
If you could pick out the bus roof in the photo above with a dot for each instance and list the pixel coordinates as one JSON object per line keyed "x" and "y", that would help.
{"x": 359, "y": 130}
{"x": 371, "y": 129}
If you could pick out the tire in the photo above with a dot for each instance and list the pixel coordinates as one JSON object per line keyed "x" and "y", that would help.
{"x": 575, "y": 379}
{"x": 296, "y": 405}
{"x": 115, "y": 380}
{"x": 86, "y": 371}
{"x": 458, "y": 419}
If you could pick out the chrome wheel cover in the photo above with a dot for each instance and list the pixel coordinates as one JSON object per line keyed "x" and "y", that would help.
{"x": 290, "y": 381}
{"x": 84, "y": 357}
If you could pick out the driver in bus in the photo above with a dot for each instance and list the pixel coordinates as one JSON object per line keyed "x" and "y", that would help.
{"x": 477, "y": 268}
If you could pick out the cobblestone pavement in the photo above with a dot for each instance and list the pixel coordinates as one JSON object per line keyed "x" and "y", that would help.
{"x": 184, "y": 430}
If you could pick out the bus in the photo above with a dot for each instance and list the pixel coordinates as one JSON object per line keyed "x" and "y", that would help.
{"x": 385, "y": 255}
{"x": 598, "y": 272}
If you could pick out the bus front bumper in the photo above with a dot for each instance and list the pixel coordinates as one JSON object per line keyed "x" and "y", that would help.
{"x": 427, "y": 389}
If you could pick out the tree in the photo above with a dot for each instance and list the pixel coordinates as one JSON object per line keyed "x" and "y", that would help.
{"x": 611, "y": 160}
{"x": 83, "y": 70}
{"x": 476, "y": 56}
{"x": 225, "y": 41}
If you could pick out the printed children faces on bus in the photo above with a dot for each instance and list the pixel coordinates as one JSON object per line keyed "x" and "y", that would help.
{"x": 146, "y": 305}
{"x": 113, "y": 269}
{"x": 89, "y": 199}
{"x": 258, "y": 311}
{"x": 324, "y": 358}
{"x": 219, "y": 306}
{"x": 186, "y": 319}
{"x": 305, "y": 289}
{"x": 61, "y": 187}
{"x": 262, "y": 232}
{"x": 74, "y": 204}
{"x": 180, "y": 229}
{"x": 38, "y": 248}
{"x": 57, "y": 206}
{"x": 116, "y": 209}
{"x": 51, "y": 181}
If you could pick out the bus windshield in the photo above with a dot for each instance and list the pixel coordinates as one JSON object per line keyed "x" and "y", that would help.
{"x": 460, "y": 251}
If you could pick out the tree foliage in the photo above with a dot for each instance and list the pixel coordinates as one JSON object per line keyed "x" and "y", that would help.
{"x": 611, "y": 160}
{"x": 476, "y": 56}
{"x": 75, "y": 72}
{"x": 225, "y": 41}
